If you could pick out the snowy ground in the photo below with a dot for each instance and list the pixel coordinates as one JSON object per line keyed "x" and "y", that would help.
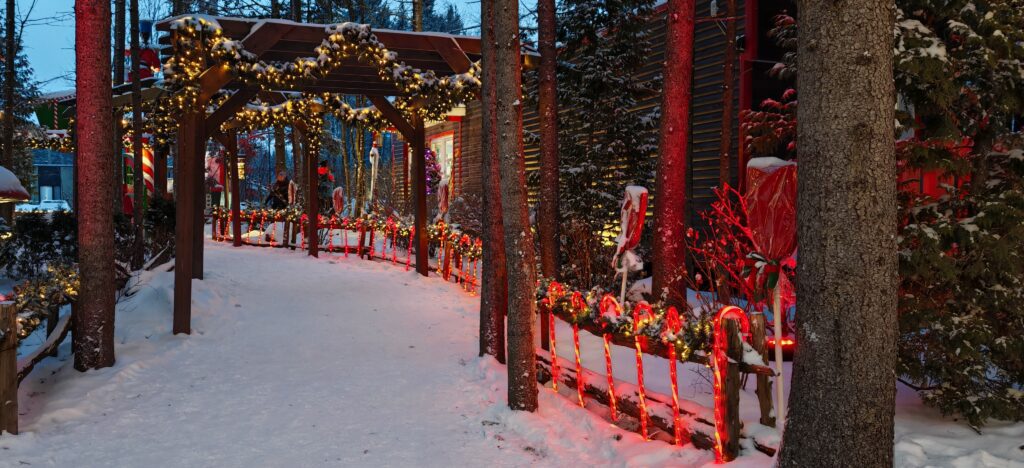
{"x": 344, "y": 362}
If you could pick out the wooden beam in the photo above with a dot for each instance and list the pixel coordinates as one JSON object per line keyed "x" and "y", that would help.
{"x": 451, "y": 52}
{"x": 230, "y": 107}
{"x": 257, "y": 42}
{"x": 184, "y": 239}
{"x": 419, "y": 179}
{"x": 394, "y": 116}
{"x": 198, "y": 157}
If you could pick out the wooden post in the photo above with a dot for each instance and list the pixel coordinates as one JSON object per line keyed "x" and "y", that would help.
{"x": 8, "y": 368}
{"x": 52, "y": 316}
{"x": 236, "y": 202}
{"x": 160, "y": 171}
{"x": 189, "y": 131}
{"x": 419, "y": 187}
{"x": 198, "y": 161}
{"x": 312, "y": 195}
{"x": 731, "y": 432}
{"x": 764, "y": 384}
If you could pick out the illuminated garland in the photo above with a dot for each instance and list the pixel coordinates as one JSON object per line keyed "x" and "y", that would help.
{"x": 199, "y": 43}
{"x": 470, "y": 250}
{"x": 34, "y": 298}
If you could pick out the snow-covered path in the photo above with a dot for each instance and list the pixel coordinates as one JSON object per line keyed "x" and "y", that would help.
{"x": 292, "y": 362}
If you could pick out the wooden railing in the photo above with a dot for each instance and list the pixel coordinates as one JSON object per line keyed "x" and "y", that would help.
{"x": 13, "y": 370}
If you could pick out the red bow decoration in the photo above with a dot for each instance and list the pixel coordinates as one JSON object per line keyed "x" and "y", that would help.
{"x": 760, "y": 271}
{"x": 610, "y": 308}
{"x": 555, "y": 291}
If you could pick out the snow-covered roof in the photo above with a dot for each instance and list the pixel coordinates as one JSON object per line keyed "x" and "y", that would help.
{"x": 11, "y": 188}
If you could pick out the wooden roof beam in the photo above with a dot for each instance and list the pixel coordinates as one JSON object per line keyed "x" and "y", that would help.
{"x": 451, "y": 53}
{"x": 230, "y": 107}
{"x": 393, "y": 115}
{"x": 257, "y": 42}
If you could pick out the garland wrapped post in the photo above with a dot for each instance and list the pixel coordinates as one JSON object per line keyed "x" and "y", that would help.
{"x": 673, "y": 326}
{"x": 726, "y": 434}
{"x": 610, "y": 311}
{"x": 302, "y": 221}
{"x": 373, "y": 245}
{"x": 394, "y": 243}
{"x": 641, "y": 314}
{"x": 362, "y": 237}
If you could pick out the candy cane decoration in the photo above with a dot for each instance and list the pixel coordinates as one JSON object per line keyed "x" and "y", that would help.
{"x": 579, "y": 307}
{"x": 394, "y": 243}
{"x": 720, "y": 361}
{"x": 673, "y": 325}
{"x": 610, "y": 310}
{"x": 641, "y": 313}
{"x": 555, "y": 291}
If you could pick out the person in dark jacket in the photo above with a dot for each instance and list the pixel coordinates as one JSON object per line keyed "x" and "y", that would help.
{"x": 278, "y": 197}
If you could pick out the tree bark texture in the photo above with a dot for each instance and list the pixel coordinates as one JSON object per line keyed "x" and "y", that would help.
{"x": 494, "y": 290}
{"x": 296, "y": 11}
{"x": 10, "y": 50}
{"x": 93, "y": 333}
{"x": 842, "y": 400}
{"x": 280, "y": 158}
{"x": 547, "y": 219}
{"x": 138, "y": 249}
{"x": 669, "y": 247}
{"x": 417, "y": 15}
{"x": 519, "y": 250}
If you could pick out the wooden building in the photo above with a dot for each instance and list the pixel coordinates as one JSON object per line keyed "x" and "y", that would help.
{"x": 755, "y": 56}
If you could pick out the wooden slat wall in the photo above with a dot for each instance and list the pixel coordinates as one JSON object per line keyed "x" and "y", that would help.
{"x": 706, "y": 108}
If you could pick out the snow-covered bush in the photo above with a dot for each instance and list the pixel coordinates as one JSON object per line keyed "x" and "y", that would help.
{"x": 962, "y": 295}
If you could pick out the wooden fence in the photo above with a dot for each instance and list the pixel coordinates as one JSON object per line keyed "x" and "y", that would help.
{"x": 13, "y": 370}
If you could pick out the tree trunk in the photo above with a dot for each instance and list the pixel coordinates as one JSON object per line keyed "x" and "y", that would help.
{"x": 93, "y": 333}
{"x": 669, "y": 250}
{"x": 10, "y": 51}
{"x": 297, "y": 11}
{"x": 138, "y": 249}
{"x": 547, "y": 213}
{"x": 280, "y": 158}
{"x": 519, "y": 251}
{"x": 494, "y": 290}
{"x": 117, "y": 188}
{"x": 417, "y": 15}
{"x": 275, "y": 8}
{"x": 843, "y": 373}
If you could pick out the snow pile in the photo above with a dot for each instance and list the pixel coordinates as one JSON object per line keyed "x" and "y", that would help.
{"x": 10, "y": 187}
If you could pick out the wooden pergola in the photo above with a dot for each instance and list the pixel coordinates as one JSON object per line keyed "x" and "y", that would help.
{"x": 277, "y": 41}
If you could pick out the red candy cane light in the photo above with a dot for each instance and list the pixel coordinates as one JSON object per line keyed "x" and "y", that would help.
{"x": 720, "y": 361}
{"x": 641, "y": 314}
{"x": 579, "y": 308}
{"x": 673, "y": 325}
{"x": 611, "y": 310}
{"x": 555, "y": 292}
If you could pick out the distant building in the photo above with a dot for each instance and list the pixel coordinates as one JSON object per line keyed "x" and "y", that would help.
{"x": 55, "y": 178}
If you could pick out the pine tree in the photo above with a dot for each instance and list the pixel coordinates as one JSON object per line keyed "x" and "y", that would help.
{"x": 960, "y": 72}
{"x": 23, "y": 92}
{"x": 603, "y": 144}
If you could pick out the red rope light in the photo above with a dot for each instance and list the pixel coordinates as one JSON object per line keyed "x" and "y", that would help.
{"x": 674, "y": 325}
{"x": 720, "y": 360}
{"x": 578, "y": 306}
{"x": 610, "y": 308}
{"x": 641, "y": 312}
{"x": 344, "y": 235}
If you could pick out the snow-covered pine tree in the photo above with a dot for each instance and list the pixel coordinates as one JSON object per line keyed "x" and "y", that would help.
{"x": 603, "y": 144}
{"x": 23, "y": 91}
{"x": 960, "y": 74}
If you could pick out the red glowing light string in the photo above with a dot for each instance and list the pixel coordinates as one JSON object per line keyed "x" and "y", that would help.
{"x": 611, "y": 310}
{"x": 720, "y": 361}
{"x": 641, "y": 313}
{"x": 579, "y": 307}
{"x": 673, "y": 325}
